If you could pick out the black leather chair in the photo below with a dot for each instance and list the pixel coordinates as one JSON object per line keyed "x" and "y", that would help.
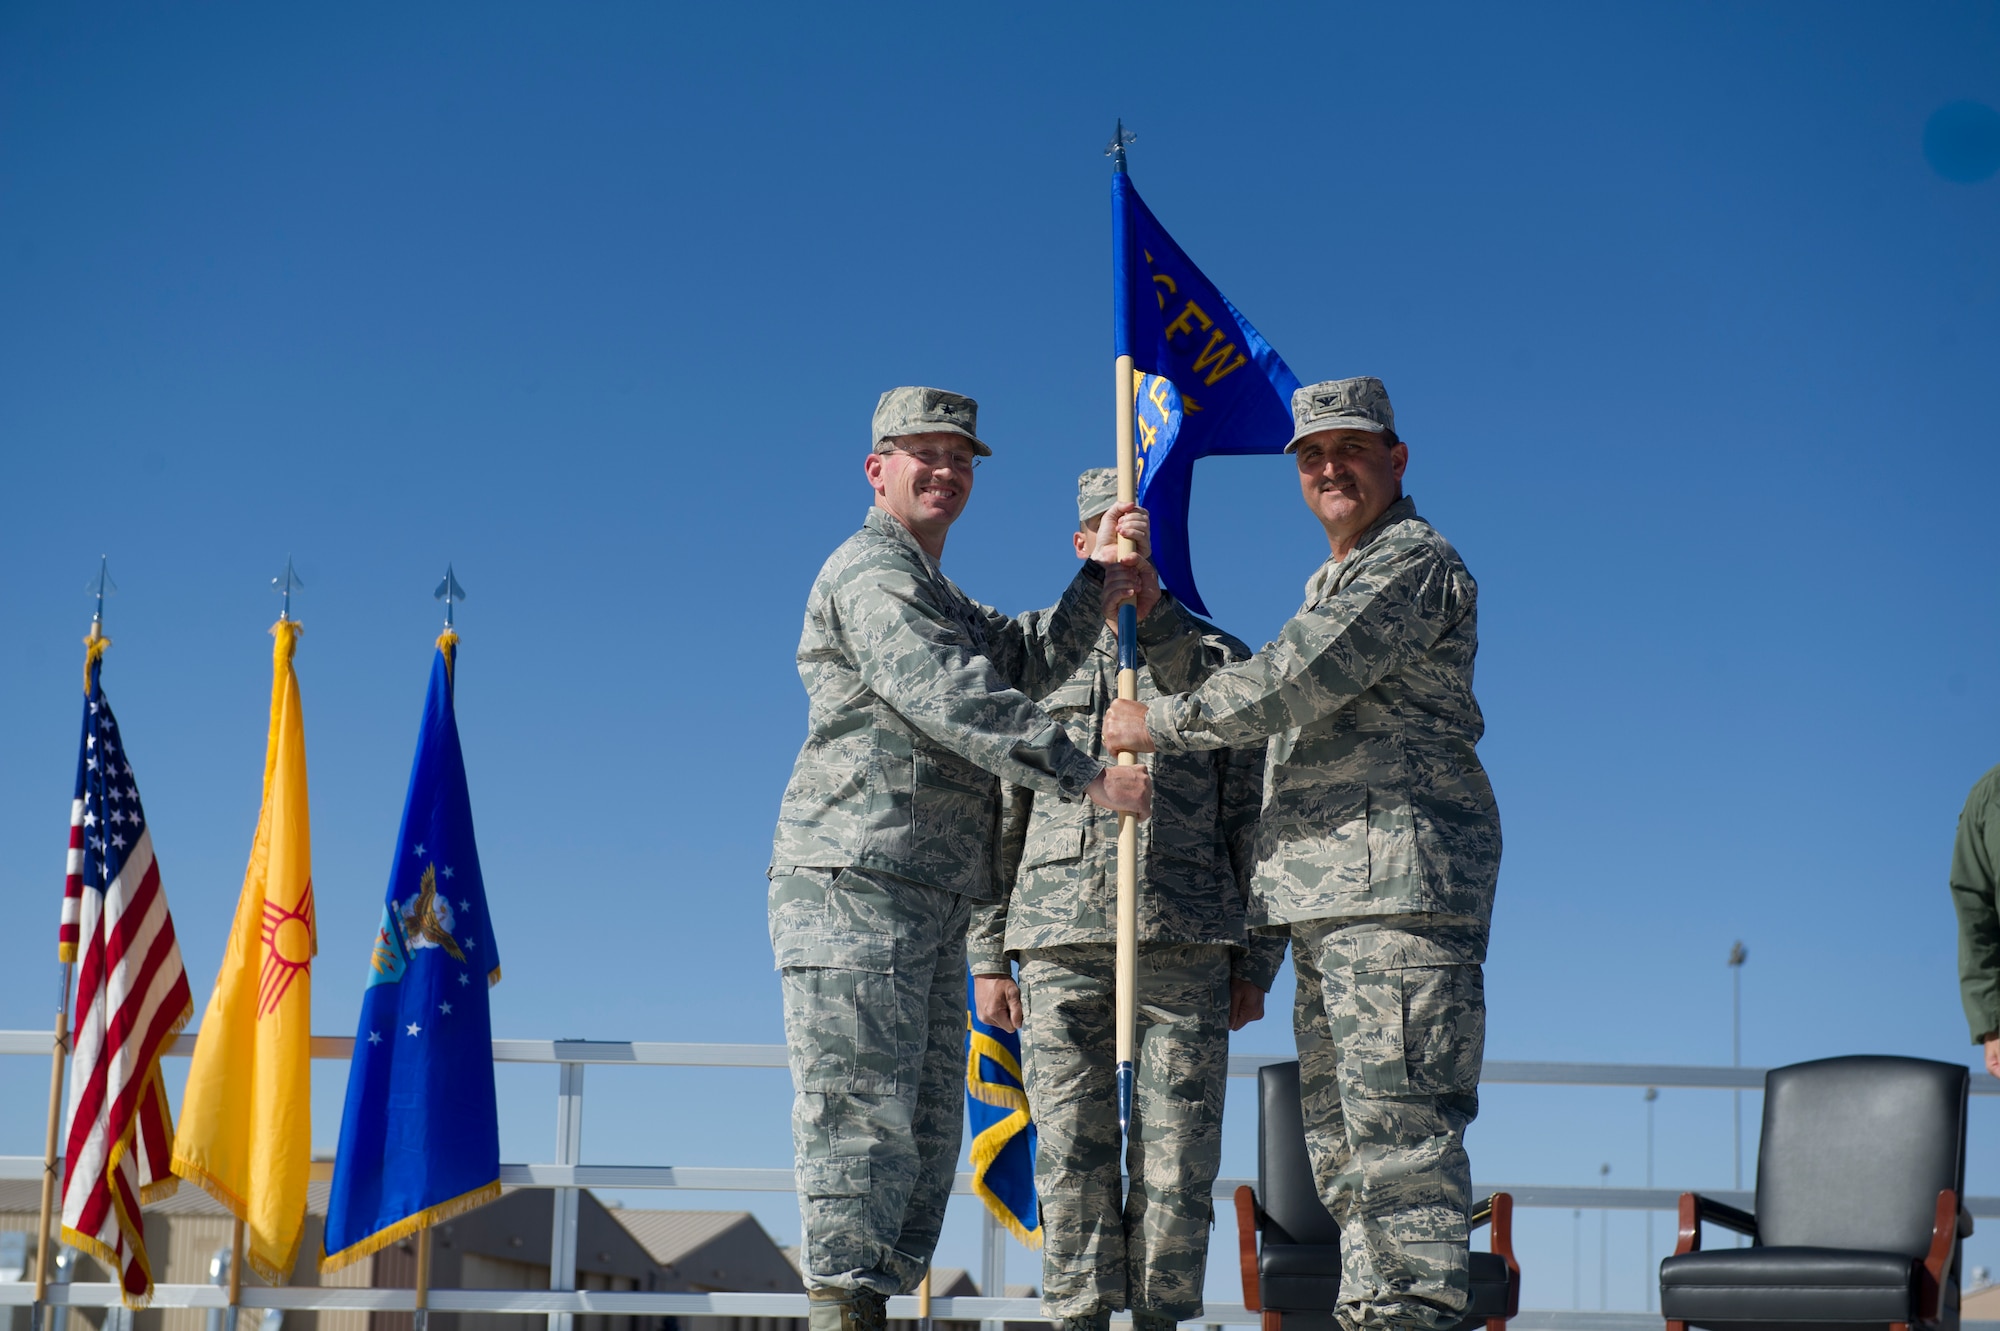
{"x": 1294, "y": 1279}
{"x": 1858, "y": 1217}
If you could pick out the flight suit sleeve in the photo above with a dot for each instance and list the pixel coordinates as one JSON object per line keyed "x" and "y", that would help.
{"x": 1973, "y": 886}
{"x": 1181, "y": 650}
{"x": 1389, "y": 616}
{"x": 986, "y": 940}
{"x": 910, "y": 652}
{"x": 1037, "y": 651}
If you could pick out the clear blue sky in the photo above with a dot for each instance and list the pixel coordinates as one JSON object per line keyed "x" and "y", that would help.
{"x": 1694, "y": 346}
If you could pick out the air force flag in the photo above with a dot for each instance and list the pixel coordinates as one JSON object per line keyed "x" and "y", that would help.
{"x": 420, "y": 1135}
{"x": 1207, "y": 383}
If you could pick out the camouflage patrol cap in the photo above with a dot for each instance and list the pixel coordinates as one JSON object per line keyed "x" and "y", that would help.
{"x": 1096, "y": 492}
{"x": 927, "y": 411}
{"x": 1342, "y": 404}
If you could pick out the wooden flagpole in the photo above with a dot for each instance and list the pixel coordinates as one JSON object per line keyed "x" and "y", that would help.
{"x": 235, "y": 1274}
{"x": 421, "y": 1320}
{"x": 1128, "y": 824}
{"x": 1127, "y": 978}
{"x": 42, "y": 1246}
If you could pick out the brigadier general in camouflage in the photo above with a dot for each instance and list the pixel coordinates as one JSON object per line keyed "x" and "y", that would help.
{"x": 1199, "y": 978}
{"x": 921, "y": 703}
{"x": 1378, "y": 850}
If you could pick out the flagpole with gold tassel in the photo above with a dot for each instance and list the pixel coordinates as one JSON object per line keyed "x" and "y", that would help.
{"x": 1127, "y": 981}
{"x": 93, "y": 651}
{"x": 245, "y": 1133}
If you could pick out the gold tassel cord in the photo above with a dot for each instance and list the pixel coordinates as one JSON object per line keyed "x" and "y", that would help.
{"x": 93, "y": 652}
{"x": 409, "y": 1225}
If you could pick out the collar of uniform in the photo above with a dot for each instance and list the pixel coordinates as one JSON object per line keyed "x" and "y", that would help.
{"x": 884, "y": 523}
{"x": 1400, "y": 511}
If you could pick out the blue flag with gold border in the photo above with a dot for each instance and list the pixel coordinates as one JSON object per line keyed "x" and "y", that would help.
{"x": 1003, "y": 1135}
{"x": 1207, "y": 383}
{"x": 420, "y": 1133}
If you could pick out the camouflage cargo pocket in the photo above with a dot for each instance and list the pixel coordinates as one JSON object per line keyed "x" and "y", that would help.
{"x": 840, "y": 1010}
{"x": 1444, "y": 1028}
{"x": 1421, "y": 1030}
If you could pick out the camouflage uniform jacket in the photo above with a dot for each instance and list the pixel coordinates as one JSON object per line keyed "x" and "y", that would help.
{"x": 920, "y": 702}
{"x": 1059, "y": 862}
{"x": 1374, "y": 800}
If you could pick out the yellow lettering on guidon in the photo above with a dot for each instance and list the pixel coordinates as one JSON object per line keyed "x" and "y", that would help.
{"x": 1210, "y": 355}
{"x": 1162, "y": 280}
{"x": 1148, "y": 432}
{"x": 1157, "y": 395}
{"x": 1181, "y": 325}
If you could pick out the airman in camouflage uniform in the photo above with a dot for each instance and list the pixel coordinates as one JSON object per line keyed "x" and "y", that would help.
{"x": 920, "y": 704}
{"x": 1378, "y": 849}
{"x": 1198, "y": 980}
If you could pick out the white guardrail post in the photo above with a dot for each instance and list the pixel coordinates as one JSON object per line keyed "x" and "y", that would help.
{"x": 569, "y": 1151}
{"x": 992, "y": 1264}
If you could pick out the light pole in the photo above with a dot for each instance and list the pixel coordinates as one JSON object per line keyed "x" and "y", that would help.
{"x": 1603, "y": 1244}
{"x": 1576, "y": 1259}
{"x": 1737, "y": 956}
{"x": 1652, "y": 1094}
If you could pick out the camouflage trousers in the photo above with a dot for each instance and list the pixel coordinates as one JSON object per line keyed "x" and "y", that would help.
{"x": 1391, "y": 1025}
{"x": 1148, "y": 1249}
{"x": 873, "y": 972}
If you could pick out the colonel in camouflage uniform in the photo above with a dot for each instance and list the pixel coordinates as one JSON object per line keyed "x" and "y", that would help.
{"x": 1378, "y": 849}
{"x": 1057, "y": 916}
{"x": 920, "y": 704}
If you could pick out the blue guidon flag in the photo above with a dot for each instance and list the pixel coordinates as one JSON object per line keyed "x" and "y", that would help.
{"x": 1003, "y": 1136}
{"x": 420, "y": 1134}
{"x": 1207, "y": 383}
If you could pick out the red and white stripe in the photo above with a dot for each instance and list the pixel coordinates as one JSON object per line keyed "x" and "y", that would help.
{"x": 72, "y": 908}
{"x": 132, "y": 998}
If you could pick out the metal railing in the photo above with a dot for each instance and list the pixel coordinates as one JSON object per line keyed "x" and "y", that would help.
{"x": 565, "y": 1175}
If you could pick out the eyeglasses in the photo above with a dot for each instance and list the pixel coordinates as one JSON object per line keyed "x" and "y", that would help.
{"x": 931, "y": 459}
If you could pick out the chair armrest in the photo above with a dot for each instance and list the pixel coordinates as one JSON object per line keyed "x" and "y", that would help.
{"x": 1498, "y": 1210}
{"x": 1944, "y": 1240}
{"x": 1696, "y": 1208}
{"x": 1246, "y": 1246}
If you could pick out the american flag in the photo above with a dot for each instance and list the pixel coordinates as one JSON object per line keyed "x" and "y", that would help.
{"x": 131, "y": 1000}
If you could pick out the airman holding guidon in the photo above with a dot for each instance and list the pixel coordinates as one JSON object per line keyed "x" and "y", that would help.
{"x": 921, "y": 703}
{"x": 1378, "y": 849}
{"x": 1104, "y": 1248}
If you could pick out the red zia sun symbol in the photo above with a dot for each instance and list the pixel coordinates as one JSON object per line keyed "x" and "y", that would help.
{"x": 288, "y": 950}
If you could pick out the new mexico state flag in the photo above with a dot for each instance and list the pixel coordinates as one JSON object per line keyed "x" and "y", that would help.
{"x": 246, "y": 1120}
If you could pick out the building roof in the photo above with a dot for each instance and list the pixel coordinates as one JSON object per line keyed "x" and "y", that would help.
{"x": 670, "y": 1236}
{"x": 712, "y": 1250}
{"x": 953, "y": 1282}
